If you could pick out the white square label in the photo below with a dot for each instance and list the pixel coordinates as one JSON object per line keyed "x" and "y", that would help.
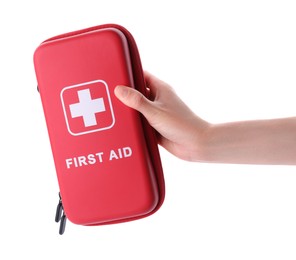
{"x": 87, "y": 107}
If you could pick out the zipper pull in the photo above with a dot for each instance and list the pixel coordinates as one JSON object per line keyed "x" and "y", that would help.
{"x": 63, "y": 224}
{"x": 61, "y": 216}
{"x": 59, "y": 212}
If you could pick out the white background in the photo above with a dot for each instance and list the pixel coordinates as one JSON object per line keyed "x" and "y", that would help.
{"x": 228, "y": 60}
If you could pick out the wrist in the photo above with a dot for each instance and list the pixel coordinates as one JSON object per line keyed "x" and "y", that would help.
{"x": 210, "y": 144}
{"x": 204, "y": 132}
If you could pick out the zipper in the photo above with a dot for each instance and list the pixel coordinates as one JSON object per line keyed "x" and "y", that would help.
{"x": 61, "y": 216}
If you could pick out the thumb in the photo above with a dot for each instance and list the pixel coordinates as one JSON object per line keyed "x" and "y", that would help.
{"x": 134, "y": 99}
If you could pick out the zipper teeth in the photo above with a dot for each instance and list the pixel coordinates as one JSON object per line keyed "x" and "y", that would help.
{"x": 69, "y": 34}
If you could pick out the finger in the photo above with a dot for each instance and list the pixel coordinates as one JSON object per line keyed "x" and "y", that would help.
{"x": 135, "y": 100}
{"x": 157, "y": 87}
{"x": 152, "y": 83}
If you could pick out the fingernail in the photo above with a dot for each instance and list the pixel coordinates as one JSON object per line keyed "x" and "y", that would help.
{"x": 121, "y": 91}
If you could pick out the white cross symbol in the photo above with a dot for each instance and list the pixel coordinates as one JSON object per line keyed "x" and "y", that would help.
{"x": 87, "y": 107}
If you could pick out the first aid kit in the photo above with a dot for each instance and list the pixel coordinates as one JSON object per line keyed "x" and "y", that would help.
{"x": 105, "y": 154}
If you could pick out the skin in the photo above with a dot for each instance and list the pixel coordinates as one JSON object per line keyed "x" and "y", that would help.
{"x": 191, "y": 138}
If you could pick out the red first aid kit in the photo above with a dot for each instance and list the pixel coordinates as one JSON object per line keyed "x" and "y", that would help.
{"x": 105, "y": 153}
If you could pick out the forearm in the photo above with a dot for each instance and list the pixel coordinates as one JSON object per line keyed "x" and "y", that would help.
{"x": 252, "y": 142}
{"x": 189, "y": 137}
